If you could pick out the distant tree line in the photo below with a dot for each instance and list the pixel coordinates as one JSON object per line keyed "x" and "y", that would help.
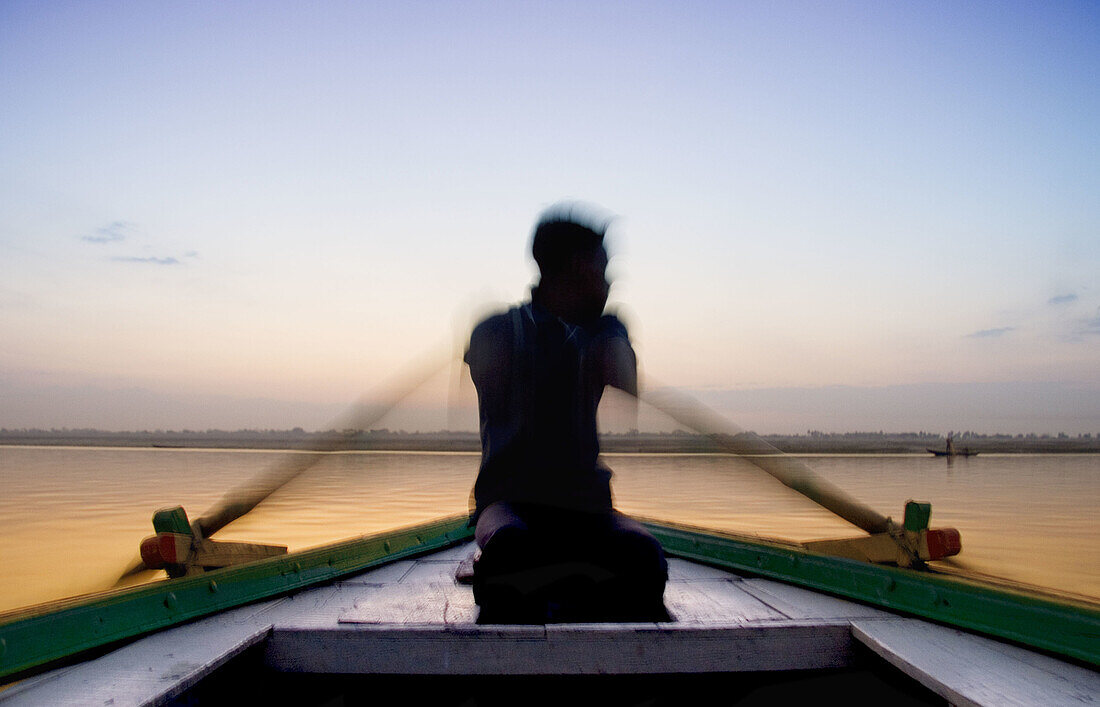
{"x": 814, "y": 441}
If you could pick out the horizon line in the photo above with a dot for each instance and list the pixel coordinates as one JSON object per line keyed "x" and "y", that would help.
{"x": 300, "y": 432}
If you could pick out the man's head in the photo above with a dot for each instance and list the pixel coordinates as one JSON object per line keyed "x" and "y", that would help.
{"x": 569, "y": 250}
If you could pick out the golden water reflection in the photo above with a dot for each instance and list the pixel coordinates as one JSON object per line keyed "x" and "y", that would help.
{"x": 71, "y": 518}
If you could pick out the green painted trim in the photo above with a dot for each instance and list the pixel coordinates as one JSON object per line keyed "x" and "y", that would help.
{"x": 50, "y": 632}
{"x": 1064, "y": 627}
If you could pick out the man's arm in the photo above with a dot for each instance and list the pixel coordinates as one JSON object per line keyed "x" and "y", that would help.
{"x": 620, "y": 366}
{"x": 490, "y": 359}
{"x": 620, "y": 370}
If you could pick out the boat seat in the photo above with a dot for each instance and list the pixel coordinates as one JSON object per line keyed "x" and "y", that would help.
{"x": 561, "y": 592}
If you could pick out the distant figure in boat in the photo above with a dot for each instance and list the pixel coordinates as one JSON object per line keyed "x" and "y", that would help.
{"x": 951, "y": 451}
{"x": 552, "y": 546}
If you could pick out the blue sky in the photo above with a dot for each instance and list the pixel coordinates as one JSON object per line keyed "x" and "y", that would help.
{"x": 283, "y": 202}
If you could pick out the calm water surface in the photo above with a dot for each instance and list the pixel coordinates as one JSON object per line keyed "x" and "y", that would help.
{"x": 71, "y": 518}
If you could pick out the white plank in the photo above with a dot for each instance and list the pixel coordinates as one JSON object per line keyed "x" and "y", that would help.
{"x": 715, "y": 601}
{"x": 456, "y": 552}
{"x": 150, "y": 671}
{"x": 431, "y": 571}
{"x": 392, "y": 572}
{"x": 686, "y": 571}
{"x": 564, "y": 649}
{"x": 321, "y": 607}
{"x": 439, "y": 603}
{"x": 971, "y": 670}
{"x": 799, "y": 603}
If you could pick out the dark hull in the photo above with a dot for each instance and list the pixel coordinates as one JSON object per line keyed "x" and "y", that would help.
{"x": 941, "y": 453}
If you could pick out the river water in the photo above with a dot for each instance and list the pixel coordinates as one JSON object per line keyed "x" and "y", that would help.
{"x": 71, "y": 518}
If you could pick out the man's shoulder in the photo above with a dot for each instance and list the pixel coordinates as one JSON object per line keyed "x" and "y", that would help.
{"x": 495, "y": 325}
{"x": 610, "y": 325}
{"x": 502, "y": 326}
{"x": 492, "y": 338}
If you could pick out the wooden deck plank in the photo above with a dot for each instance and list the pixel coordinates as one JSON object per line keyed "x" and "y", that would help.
{"x": 566, "y": 649}
{"x": 685, "y": 571}
{"x": 439, "y": 603}
{"x": 150, "y": 671}
{"x": 695, "y": 594}
{"x": 385, "y": 574}
{"x": 971, "y": 670}
{"x": 716, "y": 601}
{"x": 798, "y": 603}
{"x": 456, "y": 553}
{"x": 431, "y": 571}
{"x": 424, "y": 624}
{"x": 322, "y": 607}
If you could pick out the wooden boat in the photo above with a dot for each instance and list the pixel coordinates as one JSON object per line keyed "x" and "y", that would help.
{"x": 944, "y": 453}
{"x": 344, "y": 618}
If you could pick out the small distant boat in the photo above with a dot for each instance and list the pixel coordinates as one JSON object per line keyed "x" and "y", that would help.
{"x": 952, "y": 453}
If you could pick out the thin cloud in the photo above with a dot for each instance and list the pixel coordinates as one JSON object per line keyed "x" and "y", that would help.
{"x": 991, "y": 333}
{"x": 1063, "y": 299}
{"x": 111, "y": 233}
{"x": 150, "y": 260}
{"x": 1089, "y": 327}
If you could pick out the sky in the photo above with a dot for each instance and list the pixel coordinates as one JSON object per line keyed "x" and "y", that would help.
{"x": 830, "y": 216}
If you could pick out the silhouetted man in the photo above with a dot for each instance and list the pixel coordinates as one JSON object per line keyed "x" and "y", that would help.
{"x": 553, "y": 548}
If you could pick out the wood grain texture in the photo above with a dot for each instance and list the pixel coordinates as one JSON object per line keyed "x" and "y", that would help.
{"x": 564, "y": 649}
{"x": 439, "y": 603}
{"x": 434, "y": 571}
{"x": 798, "y": 603}
{"x": 393, "y": 572}
{"x": 151, "y": 671}
{"x": 411, "y": 618}
{"x": 970, "y": 670}
{"x": 716, "y": 602}
{"x": 685, "y": 571}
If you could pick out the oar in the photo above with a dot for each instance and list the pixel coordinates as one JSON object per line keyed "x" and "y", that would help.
{"x": 678, "y": 406}
{"x": 243, "y": 498}
{"x": 788, "y": 470}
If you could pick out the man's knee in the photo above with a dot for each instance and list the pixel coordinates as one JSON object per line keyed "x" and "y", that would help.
{"x": 635, "y": 547}
{"x": 507, "y": 546}
{"x": 499, "y": 521}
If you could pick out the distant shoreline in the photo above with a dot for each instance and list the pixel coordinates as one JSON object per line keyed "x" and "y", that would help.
{"x": 655, "y": 443}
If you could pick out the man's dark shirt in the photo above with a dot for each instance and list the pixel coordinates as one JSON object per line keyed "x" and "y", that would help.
{"x": 539, "y": 384}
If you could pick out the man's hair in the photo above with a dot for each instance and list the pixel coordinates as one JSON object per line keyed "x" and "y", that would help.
{"x": 563, "y": 231}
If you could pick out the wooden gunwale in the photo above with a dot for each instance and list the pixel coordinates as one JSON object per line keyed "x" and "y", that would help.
{"x": 41, "y": 635}
{"x": 1060, "y": 625}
